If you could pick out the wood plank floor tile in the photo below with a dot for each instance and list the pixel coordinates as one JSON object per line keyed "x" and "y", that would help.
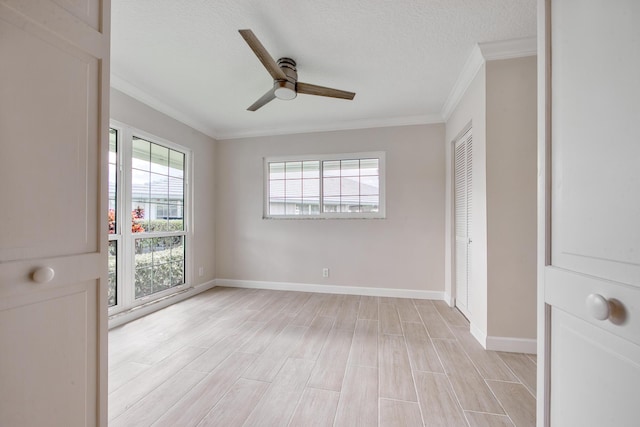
{"x": 298, "y": 300}
{"x": 435, "y": 324}
{"x": 195, "y": 404}
{"x": 329, "y": 370}
{"x": 279, "y": 402}
{"x": 263, "y": 299}
{"x": 395, "y": 413}
{"x": 331, "y": 305}
{"x": 454, "y": 358}
{"x": 317, "y": 408}
{"x": 517, "y": 401}
{"x": 232, "y": 357}
{"x": 407, "y": 310}
{"x": 364, "y": 348}
{"x": 389, "y": 319}
{"x": 309, "y": 310}
{"x": 131, "y": 392}
{"x": 479, "y": 419}
{"x": 220, "y": 328}
{"x": 396, "y": 379}
{"x": 524, "y": 368}
{"x": 451, "y": 315}
{"x": 348, "y": 313}
{"x": 259, "y": 343}
{"x": 125, "y": 373}
{"x": 234, "y": 408}
{"x": 273, "y": 308}
{"x": 147, "y": 410}
{"x": 358, "y": 405}
{"x": 314, "y": 338}
{"x": 439, "y": 404}
{"x": 422, "y": 353}
{"x": 211, "y": 358}
{"x": 488, "y": 363}
{"x": 271, "y": 360}
{"x": 474, "y": 394}
{"x": 368, "y": 308}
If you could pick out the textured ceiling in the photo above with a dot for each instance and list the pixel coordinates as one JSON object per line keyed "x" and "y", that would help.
{"x": 401, "y": 57}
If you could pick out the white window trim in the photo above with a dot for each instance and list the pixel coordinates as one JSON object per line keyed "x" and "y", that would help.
{"x": 381, "y": 214}
{"x": 126, "y": 239}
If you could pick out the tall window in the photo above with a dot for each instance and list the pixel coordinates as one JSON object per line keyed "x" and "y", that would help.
{"x": 114, "y": 235}
{"x": 157, "y": 189}
{"x": 153, "y": 238}
{"x": 336, "y": 186}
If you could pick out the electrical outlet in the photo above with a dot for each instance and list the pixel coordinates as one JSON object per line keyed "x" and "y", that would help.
{"x": 201, "y": 271}
{"x": 325, "y": 272}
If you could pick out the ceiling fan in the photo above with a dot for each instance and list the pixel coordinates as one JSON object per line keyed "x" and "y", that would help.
{"x": 285, "y": 77}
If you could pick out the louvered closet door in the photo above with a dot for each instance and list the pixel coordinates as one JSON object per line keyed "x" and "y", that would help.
{"x": 463, "y": 169}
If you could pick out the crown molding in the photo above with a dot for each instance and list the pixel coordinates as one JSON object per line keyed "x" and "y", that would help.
{"x": 507, "y": 49}
{"x": 470, "y": 69}
{"x": 127, "y": 88}
{"x": 481, "y": 53}
{"x": 347, "y": 125}
{"x": 135, "y": 92}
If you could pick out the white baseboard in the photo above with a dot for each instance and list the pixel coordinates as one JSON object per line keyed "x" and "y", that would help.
{"x": 512, "y": 345}
{"x": 479, "y": 335}
{"x": 331, "y": 289}
{"x": 143, "y": 310}
{"x": 448, "y": 299}
{"x": 507, "y": 344}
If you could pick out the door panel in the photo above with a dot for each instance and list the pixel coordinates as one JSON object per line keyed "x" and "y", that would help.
{"x": 595, "y": 149}
{"x": 590, "y": 235}
{"x": 462, "y": 214}
{"x": 63, "y": 143}
{"x": 54, "y": 106}
{"x": 88, "y": 12}
{"x": 70, "y": 352}
{"x": 605, "y": 368}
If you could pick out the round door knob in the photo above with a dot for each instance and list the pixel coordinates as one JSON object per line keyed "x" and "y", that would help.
{"x": 43, "y": 275}
{"x": 598, "y": 306}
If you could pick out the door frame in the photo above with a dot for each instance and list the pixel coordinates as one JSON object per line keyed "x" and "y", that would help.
{"x": 454, "y": 285}
{"x": 544, "y": 211}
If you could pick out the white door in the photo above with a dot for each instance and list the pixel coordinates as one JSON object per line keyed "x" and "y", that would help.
{"x": 54, "y": 68}
{"x": 590, "y": 213}
{"x": 462, "y": 207}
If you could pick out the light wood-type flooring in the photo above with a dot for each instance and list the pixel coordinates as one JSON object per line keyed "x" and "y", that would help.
{"x": 248, "y": 357}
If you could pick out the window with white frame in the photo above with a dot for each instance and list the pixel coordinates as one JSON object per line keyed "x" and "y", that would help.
{"x": 148, "y": 254}
{"x": 326, "y": 186}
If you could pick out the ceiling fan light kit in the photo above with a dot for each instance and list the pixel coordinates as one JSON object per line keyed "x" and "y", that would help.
{"x": 286, "y": 89}
{"x": 285, "y": 77}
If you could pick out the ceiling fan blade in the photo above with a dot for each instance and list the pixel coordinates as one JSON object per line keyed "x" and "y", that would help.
{"x": 310, "y": 89}
{"x": 263, "y": 55}
{"x": 269, "y": 96}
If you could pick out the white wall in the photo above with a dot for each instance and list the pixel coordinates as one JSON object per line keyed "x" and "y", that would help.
{"x": 138, "y": 115}
{"x": 403, "y": 251}
{"x": 470, "y": 110}
{"x": 511, "y": 196}
{"x": 500, "y": 105}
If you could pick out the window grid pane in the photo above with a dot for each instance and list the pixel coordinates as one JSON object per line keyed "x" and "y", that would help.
{"x": 355, "y": 189}
{"x": 350, "y": 185}
{"x": 157, "y": 181}
{"x": 294, "y": 188}
{"x": 112, "y": 291}
{"x": 112, "y": 216}
{"x": 159, "y": 264}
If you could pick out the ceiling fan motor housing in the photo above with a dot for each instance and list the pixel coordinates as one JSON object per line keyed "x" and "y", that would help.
{"x": 286, "y": 89}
